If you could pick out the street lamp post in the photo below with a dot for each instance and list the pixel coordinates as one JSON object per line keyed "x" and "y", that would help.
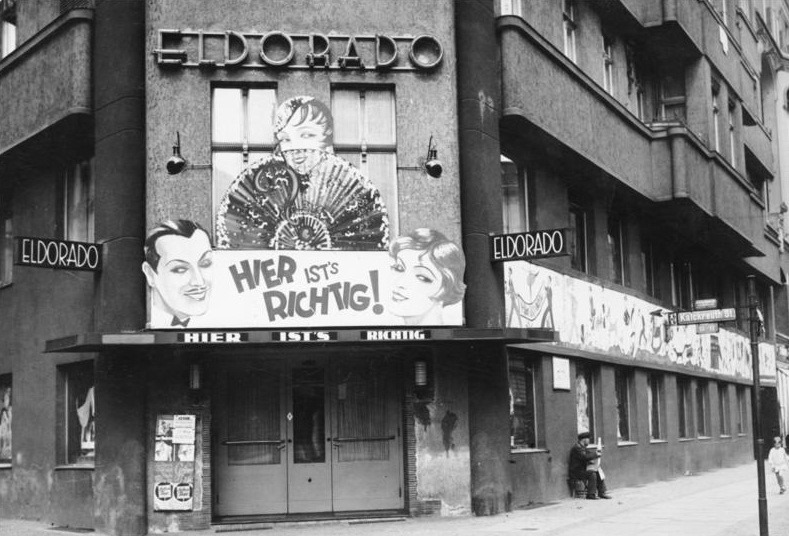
{"x": 756, "y": 405}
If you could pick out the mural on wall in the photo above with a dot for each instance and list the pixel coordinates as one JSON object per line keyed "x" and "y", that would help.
{"x": 5, "y": 424}
{"x": 303, "y": 196}
{"x": 588, "y": 316}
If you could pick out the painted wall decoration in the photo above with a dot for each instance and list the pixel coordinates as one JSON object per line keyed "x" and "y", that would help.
{"x": 590, "y": 317}
{"x": 419, "y": 281}
{"x": 174, "y": 457}
{"x": 6, "y": 416}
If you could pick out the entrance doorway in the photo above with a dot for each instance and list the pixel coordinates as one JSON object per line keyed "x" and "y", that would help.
{"x": 307, "y": 434}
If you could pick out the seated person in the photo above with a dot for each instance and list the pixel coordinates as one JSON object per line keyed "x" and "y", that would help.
{"x": 581, "y": 459}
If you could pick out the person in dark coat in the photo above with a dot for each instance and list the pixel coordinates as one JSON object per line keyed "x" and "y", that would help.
{"x": 581, "y": 459}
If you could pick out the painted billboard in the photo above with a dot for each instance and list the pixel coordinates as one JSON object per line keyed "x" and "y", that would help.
{"x": 588, "y": 316}
{"x": 302, "y": 240}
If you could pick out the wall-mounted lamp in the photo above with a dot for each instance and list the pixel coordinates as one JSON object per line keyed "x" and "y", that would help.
{"x": 195, "y": 376}
{"x": 176, "y": 163}
{"x": 431, "y": 164}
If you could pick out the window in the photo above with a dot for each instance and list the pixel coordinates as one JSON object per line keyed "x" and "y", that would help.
{"x": 732, "y": 134}
{"x": 7, "y": 27}
{"x": 6, "y": 243}
{"x": 570, "y": 27}
{"x": 578, "y": 241}
{"x": 5, "y": 419}
{"x": 702, "y": 409}
{"x": 514, "y": 197}
{"x": 684, "y": 407}
{"x": 78, "y": 194}
{"x": 649, "y": 267}
{"x": 624, "y": 388}
{"x": 655, "y": 403}
{"x": 635, "y": 79}
{"x": 523, "y": 415}
{"x": 724, "y": 409}
{"x": 510, "y": 7}
{"x": 742, "y": 410}
{"x": 682, "y": 285}
{"x": 365, "y": 135}
{"x": 242, "y": 132}
{"x": 617, "y": 251}
{"x": 672, "y": 97}
{"x": 608, "y": 65}
{"x": 585, "y": 397}
{"x": 76, "y": 413}
{"x": 716, "y": 117}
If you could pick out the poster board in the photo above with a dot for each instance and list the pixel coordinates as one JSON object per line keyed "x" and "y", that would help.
{"x": 174, "y": 462}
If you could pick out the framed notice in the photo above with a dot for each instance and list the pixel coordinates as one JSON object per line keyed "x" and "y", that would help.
{"x": 174, "y": 457}
{"x": 561, "y": 374}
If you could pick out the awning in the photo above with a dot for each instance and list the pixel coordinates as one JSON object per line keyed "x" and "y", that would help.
{"x": 95, "y": 342}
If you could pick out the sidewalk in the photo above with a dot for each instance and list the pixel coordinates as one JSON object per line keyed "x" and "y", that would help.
{"x": 716, "y": 503}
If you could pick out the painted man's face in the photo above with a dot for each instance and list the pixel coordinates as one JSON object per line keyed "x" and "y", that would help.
{"x": 182, "y": 280}
{"x": 416, "y": 282}
{"x": 302, "y": 145}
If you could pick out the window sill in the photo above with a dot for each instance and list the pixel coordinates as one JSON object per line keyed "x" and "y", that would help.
{"x": 742, "y": 435}
{"x": 626, "y": 443}
{"x": 704, "y": 438}
{"x": 5, "y": 285}
{"x": 658, "y": 442}
{"x": 5, "y": 466}
{"x": 518, "y": 450}
{"x": 686, "y": 439}
{"x": 725, "y": 436}
{"x": 75, "y": 467}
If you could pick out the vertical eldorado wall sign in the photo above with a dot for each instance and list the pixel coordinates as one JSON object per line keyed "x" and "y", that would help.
{"x": 302, "y": 240}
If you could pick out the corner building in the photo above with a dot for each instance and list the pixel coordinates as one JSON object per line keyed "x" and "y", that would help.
{"x": 275, "y": 363}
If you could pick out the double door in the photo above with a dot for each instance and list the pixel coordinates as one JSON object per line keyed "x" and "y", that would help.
{"x": 298, "y": 435}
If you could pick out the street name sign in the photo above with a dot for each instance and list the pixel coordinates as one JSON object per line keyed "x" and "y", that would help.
{"x": 700, "y": 317}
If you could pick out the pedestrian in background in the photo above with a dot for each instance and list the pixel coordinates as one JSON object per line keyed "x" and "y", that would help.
{"x": 779, "y": 462}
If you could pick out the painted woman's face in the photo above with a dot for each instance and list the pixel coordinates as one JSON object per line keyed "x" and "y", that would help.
{"x": 183, "y": 276}
{"x": 416, "y": 284}
{"x": 302, "y": 145}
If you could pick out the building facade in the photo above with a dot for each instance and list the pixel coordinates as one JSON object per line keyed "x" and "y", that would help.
{"x": 261, "y": 260}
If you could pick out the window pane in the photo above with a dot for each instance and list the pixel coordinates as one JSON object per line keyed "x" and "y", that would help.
{"x": 253, "y": 415}
{"x": 226, "y": 167}
{"x": 623, "y": 404}
{"x": 724, "y": 408}
{"x": 654, "y": 399}
{"x": 78, "y": 194}
{"x": 382, "y": 172}
{"x": 347, "y": 116}
{"x": 5, "y": 418}
{"x": 701, "y": 409}
{"x": 80, "y": 412}
{"x": 577, "y": 244}
{"x": 262, "y": 107}
{"x": 584, "y": 399}
{"x": 7, "y": 38}
{"x": 6, "y": 250}
{"x": 523, "y": 426}
{"x": 514, "y": 200}
{"x": 227, "y": 116}
{"x": 379, "y": 117}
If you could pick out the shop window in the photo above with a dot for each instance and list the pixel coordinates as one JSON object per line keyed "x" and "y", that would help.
{"x": 6, "y": 242}
{"x": 702, "y": 409}
{"x": 742, "y": 411}
{"x": 523, "y": 403}
{"x": 514, "y": 197}
{"x": 617, "y": 250}
{"x": 78, "y": 195}
{"x": 624, "y": 402}
{"x": 608, "y": 64}
{"x": 579, "y": 238}
{"x": 7, "y": 27}
{"x": 76, "y": 414}
{"x": 671, "y": 106}
{"x": 724, "y": 409}
{"x": 684, "y": 408}
{"x": 656, "y": 403}
{"x": 365, "y": 135}
{"x": 242, "y": 132}
{"x": 5, "y": 419}
{"x": 570, "y": 26}
{"x": 585, "y": 388}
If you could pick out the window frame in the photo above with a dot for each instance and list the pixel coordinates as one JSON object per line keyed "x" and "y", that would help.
{"x": 6, "y": 416}
{"x": 590, "y": 374}
{"x": 656, "y": 408}
{"x": 703, "y": 409}
{"x": 684, "y": 408}
{"x": 617, "y": 249}
{"x": 74, "y": 379}
{"x": 514, "y": 197}
{"x": 579, "y": 256}
{"x": 78, "y": 213}
{"x": 724, "y": 410}
{"x": 532, "y": 399}
{"x": 570, "y": 28}
{"x": 623, "y": 381}
{"x": 666, "y": 101}
{"x": 733, "y": 146}
{"x": 8, "y": 27}
{"x": 742, "y": 411}
{"x": 608, "y": 64}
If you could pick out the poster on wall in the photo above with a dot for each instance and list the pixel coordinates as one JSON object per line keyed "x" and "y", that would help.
{"x": 302, "y": 240}
{"x": 174, "y": 456}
